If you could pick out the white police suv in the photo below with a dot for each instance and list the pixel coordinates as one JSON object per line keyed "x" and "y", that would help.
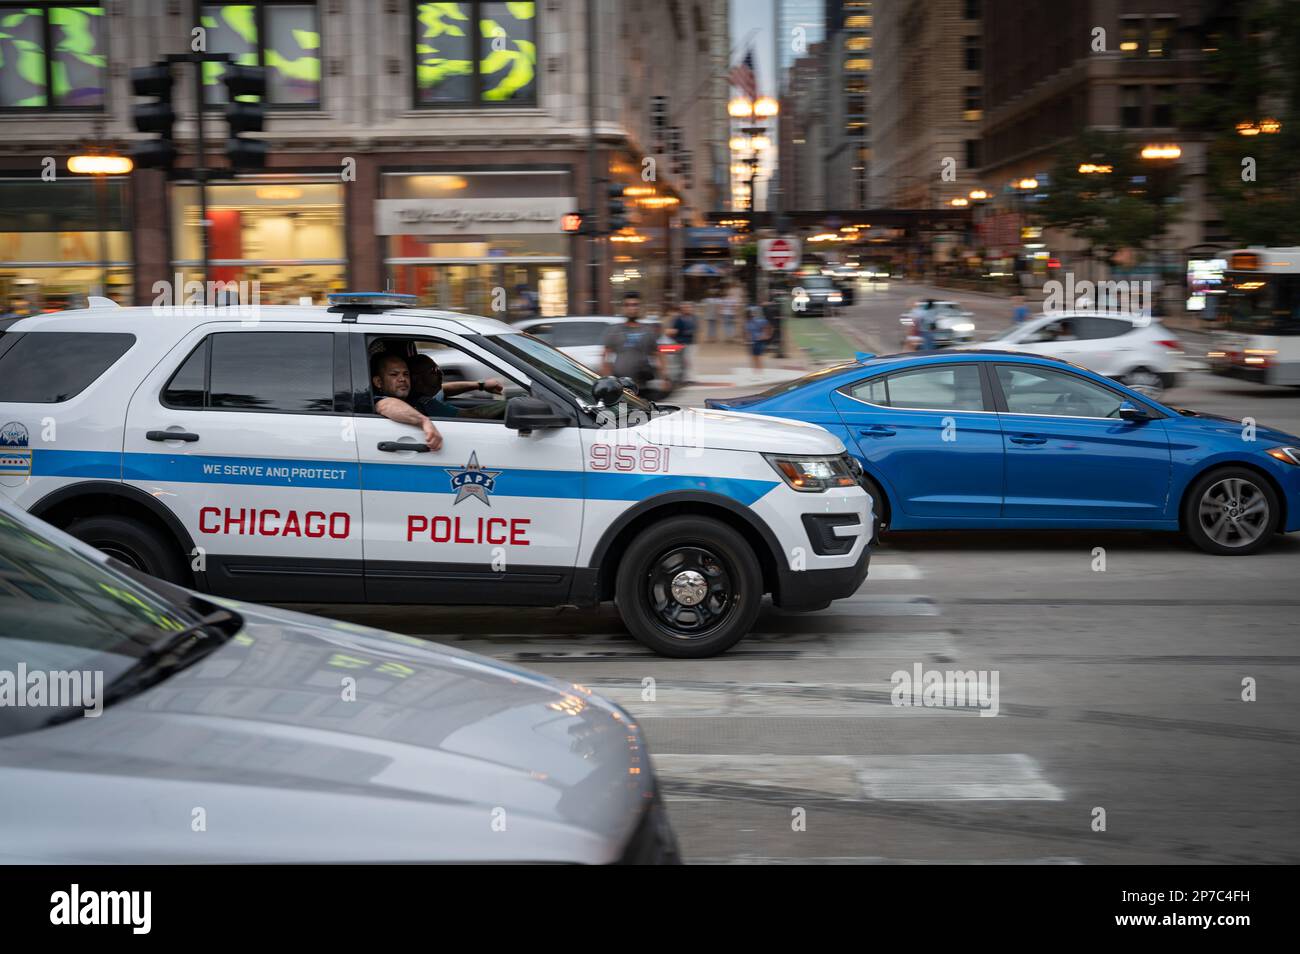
{"x": 238, "y": 451}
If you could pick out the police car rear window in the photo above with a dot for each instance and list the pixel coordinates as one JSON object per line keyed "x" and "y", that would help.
{"x": 281, "y": 371}
{"x": 49, "y": 367}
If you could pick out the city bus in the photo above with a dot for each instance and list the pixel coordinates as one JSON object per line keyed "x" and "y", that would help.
{"x": 1257, "y": 321}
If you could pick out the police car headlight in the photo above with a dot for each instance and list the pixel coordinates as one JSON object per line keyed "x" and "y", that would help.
{"x": 813, "y": 475}
{"x": 1287, "y": 455}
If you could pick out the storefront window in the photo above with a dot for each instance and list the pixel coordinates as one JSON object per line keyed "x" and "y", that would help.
{"x": 284, "y": 37}
{"x": 52, "y": 57}
{"x": 285, "y": 233}
{"x": 63, "y": 241}
{"x": 475, "y": 54}
{"x": 480, "y": 242}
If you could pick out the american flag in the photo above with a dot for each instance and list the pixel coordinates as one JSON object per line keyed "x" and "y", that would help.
{"x": 741, "y": 76}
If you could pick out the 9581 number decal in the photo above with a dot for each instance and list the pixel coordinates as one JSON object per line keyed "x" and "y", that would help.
{"x": 643, "y": 457}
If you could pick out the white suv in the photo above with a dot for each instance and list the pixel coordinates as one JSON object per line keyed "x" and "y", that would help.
{"x": 245, "y": 458}
{"x": 1134, "y": 349}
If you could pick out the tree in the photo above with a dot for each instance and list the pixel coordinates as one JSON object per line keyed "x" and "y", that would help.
{"x": 1253, "y": 73}
{"x": 1126, "y": 207}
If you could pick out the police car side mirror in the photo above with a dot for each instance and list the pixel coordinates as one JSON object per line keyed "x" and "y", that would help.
{"x": 526, "y": 414}
{"x": 608, "y": 390}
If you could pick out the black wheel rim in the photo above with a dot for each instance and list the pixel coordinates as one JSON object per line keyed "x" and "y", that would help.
{"x": 122, "y": 555}
{"x": 691, "y": 592}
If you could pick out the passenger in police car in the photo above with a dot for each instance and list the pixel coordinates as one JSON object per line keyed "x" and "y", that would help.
{"x": 391, "y": 379}
{"x": 427, "y": 381}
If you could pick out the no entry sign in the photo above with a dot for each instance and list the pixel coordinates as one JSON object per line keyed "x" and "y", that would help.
{"x": 778, "y": 254}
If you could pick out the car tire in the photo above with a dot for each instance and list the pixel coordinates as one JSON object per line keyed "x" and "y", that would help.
{"x": 1144, "y": 381}
{"x": 878, "y": 525}
{"x": 134, "y": 543}
{"x": 694, "y": 558}
{"x": 1215, "y": 507}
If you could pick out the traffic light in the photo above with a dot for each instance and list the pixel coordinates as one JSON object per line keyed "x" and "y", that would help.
{"x": 615, "y": 209}
{"x": 245, "y": 117}
{"x": 156, "y": 117}
{"x": 571, "y": 222}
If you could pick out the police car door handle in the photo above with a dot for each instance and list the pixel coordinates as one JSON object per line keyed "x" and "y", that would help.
{"x": 403, "y": 446}
{"x": 171, "y": 436}
{"x": 877, "y": 430}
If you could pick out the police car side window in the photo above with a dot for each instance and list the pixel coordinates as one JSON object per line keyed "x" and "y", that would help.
{"x": 188, "y": 386}
{"x": 49, "y": 367}
{"x": 275, "y": 371}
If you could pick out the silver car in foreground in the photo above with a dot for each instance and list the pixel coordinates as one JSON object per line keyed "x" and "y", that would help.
{"x": 235, "y": 733}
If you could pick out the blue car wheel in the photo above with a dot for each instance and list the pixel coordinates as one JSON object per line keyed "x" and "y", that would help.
{"x": 1231, "y": 511}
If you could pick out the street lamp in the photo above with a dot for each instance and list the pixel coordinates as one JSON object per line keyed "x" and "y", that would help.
{"x": 100, "y": 165}
{"x": 1251, "y": 128}
{"x": 740, "y": 108}
{"x": 1161, "y": 151}
{"x": 750, "y": 140}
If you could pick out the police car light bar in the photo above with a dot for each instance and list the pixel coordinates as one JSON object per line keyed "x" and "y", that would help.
{"x": 372, "y": 299}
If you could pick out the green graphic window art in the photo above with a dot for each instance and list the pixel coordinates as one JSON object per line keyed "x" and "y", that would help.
{"x": 475, "y": 53}
{"x": 52, "y": 57}
{"x": 283, "y": 37}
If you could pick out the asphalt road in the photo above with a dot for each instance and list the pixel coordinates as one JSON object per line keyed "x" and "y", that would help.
{"x": 1120, "y": 660}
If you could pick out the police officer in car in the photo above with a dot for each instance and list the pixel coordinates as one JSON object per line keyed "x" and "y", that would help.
{"x": 391, "y": 379}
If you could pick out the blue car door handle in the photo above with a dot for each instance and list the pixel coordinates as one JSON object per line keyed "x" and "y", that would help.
{"x": 1028, "y": 439}
{"x": 877, "y": 430}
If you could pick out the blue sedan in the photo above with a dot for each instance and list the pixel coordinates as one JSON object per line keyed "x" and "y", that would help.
{"x": 997, "y": 440}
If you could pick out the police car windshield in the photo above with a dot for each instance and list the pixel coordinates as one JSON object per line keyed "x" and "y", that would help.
{"x": 578, "y": 379}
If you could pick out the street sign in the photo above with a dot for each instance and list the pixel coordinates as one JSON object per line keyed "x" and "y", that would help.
{"x": 778, "y": 254}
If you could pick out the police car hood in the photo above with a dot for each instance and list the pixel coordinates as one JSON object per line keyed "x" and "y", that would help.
{"x": 734, "y": 430}
{"x": 301, "y": 739}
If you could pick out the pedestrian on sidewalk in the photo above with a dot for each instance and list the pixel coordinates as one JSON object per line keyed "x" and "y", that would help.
{"x": 733, "y": 310}
{"x": 772, "y": 312}
{"x": 758, "y": 332}
{"x": 1020, "y": 313}
{"x": 708, "y": 315}
{"x": 632, "y": 348}
{"x": 683, "y": 332}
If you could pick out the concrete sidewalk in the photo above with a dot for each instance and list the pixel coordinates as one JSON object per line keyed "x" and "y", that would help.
{"x": 810, "y": 344}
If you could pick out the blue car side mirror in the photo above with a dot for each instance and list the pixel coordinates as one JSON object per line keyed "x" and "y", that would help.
{"x": 1128, "y": 411}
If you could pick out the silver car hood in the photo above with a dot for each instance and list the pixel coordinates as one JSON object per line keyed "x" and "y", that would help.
{"x": 254, "y": 755}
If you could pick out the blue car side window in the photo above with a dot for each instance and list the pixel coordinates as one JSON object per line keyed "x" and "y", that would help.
{"x": 949, "y": 387}
{"x": 873, "y": 392}
{"x": 1031, "y": 390}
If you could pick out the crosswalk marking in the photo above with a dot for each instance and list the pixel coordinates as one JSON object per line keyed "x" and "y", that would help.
{"x": 863, "y": 644}
{"x": 882, "y": 572}
{"x": 743, "y": 700}
{"x": 899, "y": 778}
